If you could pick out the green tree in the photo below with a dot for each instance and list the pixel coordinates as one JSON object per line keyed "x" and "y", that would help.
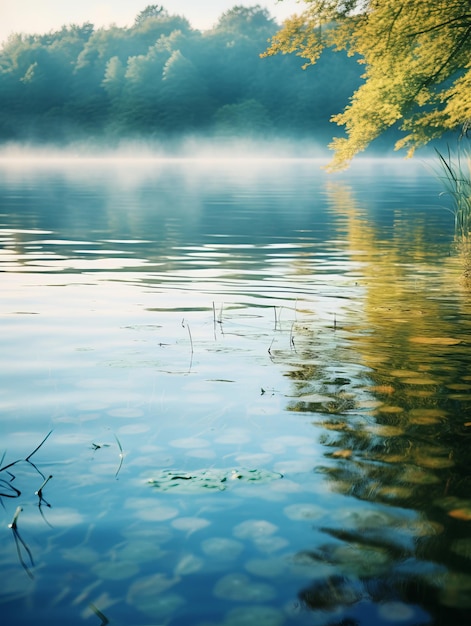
{"x": 417, "y": 59}
{"x": 248, "y": 118}
{"x": 247, "y": 20}
{"x": 184, "y": 96}
{"x": 36, "y": 81}
{"x": 151, "y": 10}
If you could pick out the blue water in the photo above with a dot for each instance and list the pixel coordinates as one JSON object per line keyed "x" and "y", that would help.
{"x": 212, "y": 319}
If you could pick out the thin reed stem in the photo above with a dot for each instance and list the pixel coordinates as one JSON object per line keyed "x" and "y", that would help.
{"x": 455, "y": 176}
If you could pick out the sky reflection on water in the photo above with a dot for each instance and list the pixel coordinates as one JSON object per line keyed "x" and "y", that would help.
{"x": 271, "y": 318}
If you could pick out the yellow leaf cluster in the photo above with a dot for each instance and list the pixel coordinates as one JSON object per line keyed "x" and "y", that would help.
{"x": 417, "y": 57}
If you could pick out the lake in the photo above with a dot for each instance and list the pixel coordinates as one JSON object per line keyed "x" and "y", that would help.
{"x": 234, "y": 393}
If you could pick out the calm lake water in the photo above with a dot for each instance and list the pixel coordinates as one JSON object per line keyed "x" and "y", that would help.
{"x": 250, "y": 382}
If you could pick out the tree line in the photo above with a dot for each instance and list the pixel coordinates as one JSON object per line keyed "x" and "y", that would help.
{"x": 161, "y": 78}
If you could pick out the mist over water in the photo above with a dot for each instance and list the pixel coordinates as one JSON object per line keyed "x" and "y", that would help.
{"x": 189, "y": 148}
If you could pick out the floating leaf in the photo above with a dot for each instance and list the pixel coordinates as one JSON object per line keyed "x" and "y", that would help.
{"x": 209, "y": 479}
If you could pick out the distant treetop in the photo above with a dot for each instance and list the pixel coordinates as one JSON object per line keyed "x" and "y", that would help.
{"x": 151, "y": 10}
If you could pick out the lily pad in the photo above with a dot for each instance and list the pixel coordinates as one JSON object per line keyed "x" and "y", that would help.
{"x": 209, "y": 479}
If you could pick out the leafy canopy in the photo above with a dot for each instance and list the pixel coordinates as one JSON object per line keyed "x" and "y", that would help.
{"x": 417, "y": 57}
{"x": 151, "y": 10}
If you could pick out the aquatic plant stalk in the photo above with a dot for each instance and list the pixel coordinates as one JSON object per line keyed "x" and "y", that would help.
{"x": 13, "y": 523}
{"x": 456, "y": 179}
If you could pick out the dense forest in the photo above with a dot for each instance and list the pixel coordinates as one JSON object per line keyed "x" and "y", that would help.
{"x": 161, "y": 78}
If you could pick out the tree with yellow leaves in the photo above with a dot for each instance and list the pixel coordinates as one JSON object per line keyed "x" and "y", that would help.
{"x": 417, "y": 57}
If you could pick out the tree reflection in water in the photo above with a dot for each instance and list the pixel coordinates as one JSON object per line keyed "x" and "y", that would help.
{"x": 388, "y": 386}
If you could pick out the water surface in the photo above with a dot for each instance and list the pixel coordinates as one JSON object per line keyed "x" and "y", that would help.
{"x": 256, "y": 381}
